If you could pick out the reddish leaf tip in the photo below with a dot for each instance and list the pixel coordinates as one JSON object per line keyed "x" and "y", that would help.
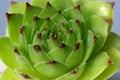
{"x": 109, "y": 21}
{"x": 13, "y": 2}
{"x": 25, "y": 76}
{"x": 77, "y": 7}
{"x": 48, "y": 19}
{"x": 110, "y": 62}
{"x": 74, "y": 71}
{"x": 27, "y": 5}
{"x": 77, "y": 22}
{"x": 39, "y": 36}
{"x": 16, "y": 51}
{"x": 8, "y": 16}
{"x": 59, "y": 11}
{"x": 22, "y": 30}
{"x": 54, "y": 37}
{"x": 48, "y": 4}
{"x": 37, "y": 48}
{"x": 77, "y": 46}
{"x": 95, "y": 38}
{"x": 70, "y": 30}
{"x": 112, "y": 4}
{"x": 62, "y": 45}
{"x": 35, "y": 18}
{"x": 52, "y": 62}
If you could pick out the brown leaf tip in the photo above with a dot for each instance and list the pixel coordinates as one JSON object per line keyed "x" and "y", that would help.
{"x": 54, "y": 37}
{"x": 109, "y": 21}
{"x": 77, "y": 46}
{"x": 48, "y": 4}
{"x": 77, "y": 7}
{"x": 95, "y": 38}
{"x": 77, "y": 22}
{"x": 13, "y": 2}
{"x": 62, "y": 45}
{"x": 39, "y": 36}
{"x": 60, "y": 12}
{"x": 112, "y": 4}
{"x": 48, "y": 19}
{"x": 37, "y": 48}
{"x": 45, "y": 29}
{"x": 25, "y": 76}
{"x": 70, "y": 30}
{"x": 16, "y": 51}
{"x": 74, "y": 71}
{"x": 52, "y": 62}
{"x": 35, "y": 18}
{"x": 27, "y": 5}
{"x": 22, "y": 30}
{"x": 8, "y": 16}
{"x": 110, "y": 62}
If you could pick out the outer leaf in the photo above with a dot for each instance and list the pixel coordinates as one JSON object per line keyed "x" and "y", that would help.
{"x": 9, "y": 74}
{"x": 95, "y": 66}
{"x": 74, "y": 74}
{"x": 17, "y": 7}
{"x": 100, "y": 29}
{"x": 7, "y": 54}
{"x": 14, "y": 26}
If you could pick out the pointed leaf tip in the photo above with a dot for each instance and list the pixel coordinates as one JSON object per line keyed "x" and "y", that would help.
{"x": 27, "y": 5}
{"x": 77, "y": 7}
{"x": 35, "y": 18}
{"x": 13, "y": 2}
{"x": 48, "y": 19}
{"x": 25, "y": 76}
{"x": 77, "y": 22}
{"x": 70, "y": 30}
{"x": 77, "y": 46}
{"x": 16, "y": 51}
{"x": 37, "y": 48}
{"x": 109, "y": 21}
{"x": 22, "y": 29}
{"x": 112, "y": 4}
{"x": 74, "y": 71}
{"x": 59, "y": 11}
{"x": 52, "y": 62}
{"x": 39, "y": 36}
{"x": 110, "y": 62}
{"x": 8, "y": 16}
{"x": 54, "y": 37}
{"x": 48, "y": 4}
{"x": 62, "y": 45}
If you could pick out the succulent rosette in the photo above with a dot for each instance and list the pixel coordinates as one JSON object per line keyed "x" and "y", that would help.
{"x": 60, "y": 40}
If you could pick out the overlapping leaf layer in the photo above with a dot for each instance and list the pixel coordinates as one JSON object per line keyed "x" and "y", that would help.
{"x": 60, "y": 40}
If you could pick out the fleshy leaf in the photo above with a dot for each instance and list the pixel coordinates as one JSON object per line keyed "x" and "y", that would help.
{"x": 95, "y": 66}
{"x": 7, "y": 52}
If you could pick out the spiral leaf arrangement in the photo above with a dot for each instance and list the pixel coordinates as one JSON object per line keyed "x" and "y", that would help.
{"x": 60, "y": 40}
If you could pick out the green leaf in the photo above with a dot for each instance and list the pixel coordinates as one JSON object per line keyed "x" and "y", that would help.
{"x": 58, "y": 4}
{"x": 9, "y": 74}
{"x": 100, "y": 29}
{"x": 112, "y": 69}
{"x": 51, "y": 69}
{"x": 75, "y": 57}
{"x": 96, "y": 65}
{"x": 30, "y": 12}
{"x": 7, "y": 53}
{"x": 73, "y": 74}
{"x": 14, "y": 26}
{"x": 98, "y": 8}
{"x": 61, "y": 53}
{"x": 89, "y": 45}
{"x": 17, "y": 7}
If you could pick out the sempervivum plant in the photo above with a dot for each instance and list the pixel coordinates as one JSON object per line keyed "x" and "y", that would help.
{"x": 60, "y": 40}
